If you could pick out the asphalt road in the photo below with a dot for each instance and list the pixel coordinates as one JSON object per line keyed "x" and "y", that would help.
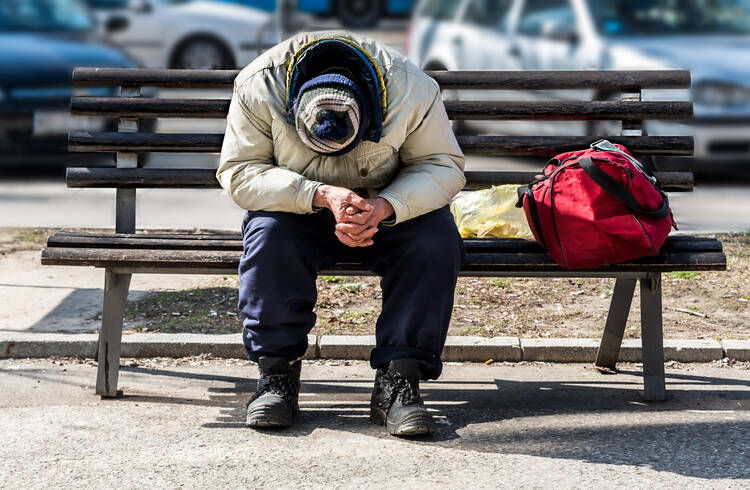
{"x": 522, "y": 426}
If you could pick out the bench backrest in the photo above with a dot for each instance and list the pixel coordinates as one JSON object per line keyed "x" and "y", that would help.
{"x": 130, "y": 108}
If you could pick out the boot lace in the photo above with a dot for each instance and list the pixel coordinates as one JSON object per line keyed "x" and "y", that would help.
{"x": 404, "y": 390}
{"x": 278, "y": 384}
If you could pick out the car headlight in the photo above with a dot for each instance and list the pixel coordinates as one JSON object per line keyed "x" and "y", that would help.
{"x": 720, "y": 94}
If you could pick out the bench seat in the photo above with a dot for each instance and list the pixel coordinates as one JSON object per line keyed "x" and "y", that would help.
{"x": 220, "y": 253}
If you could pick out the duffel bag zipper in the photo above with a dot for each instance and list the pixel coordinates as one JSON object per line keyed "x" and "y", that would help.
{"x": 651, "y": 242}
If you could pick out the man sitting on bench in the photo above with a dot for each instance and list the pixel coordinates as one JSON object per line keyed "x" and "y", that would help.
{"x": 339, "y": 147}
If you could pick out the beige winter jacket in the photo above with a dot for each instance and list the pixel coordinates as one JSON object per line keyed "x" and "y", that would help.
{"x": 417, "y": 165}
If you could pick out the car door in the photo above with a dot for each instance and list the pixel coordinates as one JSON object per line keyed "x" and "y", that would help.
{"x": 435, "y": 30}
{"x": 143, "y": 39}
{"x": 548, "y": 37}
{"x": 484, "y": 43}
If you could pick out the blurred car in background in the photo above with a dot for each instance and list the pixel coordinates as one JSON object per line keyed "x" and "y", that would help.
{"x": 351, "y": 13}
{"x": 357, "y": 13}
{"x": 711, "y": 38}
{"x": 188, "y": 34}
{"x": 41, "y": 41}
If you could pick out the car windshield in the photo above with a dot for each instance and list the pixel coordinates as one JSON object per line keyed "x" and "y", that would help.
{"x": 671, "y": 17}
{"x": 43, "y": 15}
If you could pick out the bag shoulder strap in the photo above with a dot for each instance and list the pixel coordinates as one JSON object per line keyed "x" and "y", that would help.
{"x": 619, "y": 192}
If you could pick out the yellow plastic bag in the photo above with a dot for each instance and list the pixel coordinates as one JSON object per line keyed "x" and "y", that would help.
{"x": 490, "y": 213}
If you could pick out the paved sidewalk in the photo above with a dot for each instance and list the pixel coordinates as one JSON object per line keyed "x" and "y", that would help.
{"x": 532, "y": 426}
{"x": 40, "y": 298}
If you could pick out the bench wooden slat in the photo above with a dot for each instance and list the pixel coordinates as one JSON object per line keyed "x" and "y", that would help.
{"x": 206, "y": 178}
{"x": 202, "y": 234}
{"x": 562, "y": 79}
{"x": 486, "y": 262}
{"x": 234, "y": 242}
{"x": 117, "y": 77}
{"x": 475, "y": 80}
{"x": 465, "y": 110}
{"x": 552, "y": 145}
{"x": 137, "y": 107}
{"x": 89, "y": 141}
{"x": 481, "y": 179}
{"x": 568, "y": 110}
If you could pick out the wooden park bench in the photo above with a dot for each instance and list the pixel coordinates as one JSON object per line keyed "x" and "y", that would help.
{"x": 125, "y": 251}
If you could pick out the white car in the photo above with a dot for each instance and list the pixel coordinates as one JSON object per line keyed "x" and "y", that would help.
{"x": 711, "y": 38}
{"x": 185, "y": 34}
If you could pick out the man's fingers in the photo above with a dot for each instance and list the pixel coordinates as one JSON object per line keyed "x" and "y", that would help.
{"x": 357, "y": 232}
{"x": 351, "y": 228}
{"x": 365, "y": 234}
{"x": 360, "y": 218}
{"x": 347, "y": 240}
{"x": 359, "y": 202}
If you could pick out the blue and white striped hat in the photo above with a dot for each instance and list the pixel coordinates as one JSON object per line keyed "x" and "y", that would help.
{"x": 330, "y": 115}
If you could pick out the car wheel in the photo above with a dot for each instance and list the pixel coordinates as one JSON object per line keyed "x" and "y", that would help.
{"x": 359, "y": 13}
{"x": 202, "y": 54}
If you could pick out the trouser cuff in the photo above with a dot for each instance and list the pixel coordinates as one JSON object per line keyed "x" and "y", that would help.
{"x": 430, "y": 365}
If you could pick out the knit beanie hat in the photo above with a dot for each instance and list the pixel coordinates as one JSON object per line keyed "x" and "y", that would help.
{"x": 330, "y": 115}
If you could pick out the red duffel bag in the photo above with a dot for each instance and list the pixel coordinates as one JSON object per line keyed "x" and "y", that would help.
{"x": 596, "y": 207}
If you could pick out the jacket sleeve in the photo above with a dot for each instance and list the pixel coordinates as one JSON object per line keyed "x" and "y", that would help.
{"x": 247, "y": 167}
{"x": 432, "y": 170}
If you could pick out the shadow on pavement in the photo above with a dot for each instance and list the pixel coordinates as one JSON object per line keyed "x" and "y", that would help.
{"x": 80, "y": 304}
{"x": 700, "y": 431}
{"x": 594, "y": 421}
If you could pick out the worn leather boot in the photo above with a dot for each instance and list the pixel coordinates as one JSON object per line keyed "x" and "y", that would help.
{"x": 275, "y": 402}
{"x": 396, "y": 402}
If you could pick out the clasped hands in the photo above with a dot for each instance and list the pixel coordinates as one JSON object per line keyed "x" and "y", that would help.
{"x": 357, "y": 219}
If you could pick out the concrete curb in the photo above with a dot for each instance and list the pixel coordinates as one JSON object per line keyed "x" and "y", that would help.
{"x": 17, "y": 345}
{"x": 481, "y": 349}
{"x": 737, "y": 349}
{"x": 559, "y": 350}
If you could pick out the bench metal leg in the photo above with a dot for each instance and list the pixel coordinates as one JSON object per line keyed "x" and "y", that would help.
{"x": 614, "y": 329}
{"x": 652, "y": 339}
{"x": 110, "y": 337}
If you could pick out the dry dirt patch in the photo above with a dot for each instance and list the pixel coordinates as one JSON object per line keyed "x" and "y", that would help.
{"x": 20, "y": 239}
{"x": 696, "y": 305}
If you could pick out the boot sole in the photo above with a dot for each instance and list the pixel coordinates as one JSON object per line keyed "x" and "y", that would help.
{"x": 269, "y": 416}
{"x": 417, "y": 424}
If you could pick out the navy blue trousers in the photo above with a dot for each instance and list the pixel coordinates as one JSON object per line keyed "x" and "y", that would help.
{"x": 418, "y": 261}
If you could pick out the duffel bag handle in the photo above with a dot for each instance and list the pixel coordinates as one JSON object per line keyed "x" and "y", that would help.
{"x": 606, "y": 145}
{"x": 619, "y": 192}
